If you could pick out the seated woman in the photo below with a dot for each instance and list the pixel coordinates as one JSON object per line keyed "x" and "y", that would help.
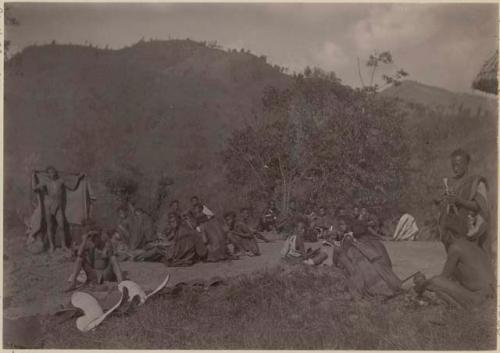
{"x": 180, "y": 246}
{"x": 96, "y": 258}
{"x": 240, "y": 236}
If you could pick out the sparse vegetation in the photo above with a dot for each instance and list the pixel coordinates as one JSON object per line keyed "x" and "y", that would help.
{"x": 287, "y": 308}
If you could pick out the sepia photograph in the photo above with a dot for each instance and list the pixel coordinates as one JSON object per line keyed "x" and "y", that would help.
{"x": 250, "y": 176}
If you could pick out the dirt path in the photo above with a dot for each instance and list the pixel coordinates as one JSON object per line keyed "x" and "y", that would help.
{"x": 33, "y": 283}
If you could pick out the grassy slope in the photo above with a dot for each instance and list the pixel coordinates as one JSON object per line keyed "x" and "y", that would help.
{"x": 479, "y": 137}
{"x": 288, "y": 308}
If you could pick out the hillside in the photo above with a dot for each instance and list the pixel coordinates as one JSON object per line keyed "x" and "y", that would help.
{"x": 165, "y": 108}
{"x": 157, "y": 108}
{"x": 440, "y": 98}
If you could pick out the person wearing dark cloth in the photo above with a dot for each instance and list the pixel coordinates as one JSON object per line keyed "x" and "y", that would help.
{"x": 124, "y": 224}
{"x": 341, "y": 212}
{"x": 141, "y": 230}
{"x": 269, "y": 217}
{"x": 162, "y": 223}
{"x": 180, "y": 246}
{"x": 245, "y": 221}
{"x": 212, "y": 234}
{"x": 195, "y": 201}
{"x": 96, "y": 257}
{"x": 363, "y": 214}
{"x": 175, "y": 207}
{"x": 311, "y": 217}
{"x": 240, "y": 235}
{"x": 287, "y": 222}
{"x": 324, "y": 223}
{"x": 371, "y": 221}
{"x": 355, "y": 212}
{"x": 365, "y": 260}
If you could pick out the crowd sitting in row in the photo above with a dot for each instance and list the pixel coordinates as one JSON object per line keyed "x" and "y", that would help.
{"x": 184, "y": 237}
{"x": 318, "y": 224}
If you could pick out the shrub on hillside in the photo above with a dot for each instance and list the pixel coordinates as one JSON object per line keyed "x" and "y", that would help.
{"x": 318, "y": 135}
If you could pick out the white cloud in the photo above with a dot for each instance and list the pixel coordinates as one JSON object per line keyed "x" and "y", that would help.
{"x": 331, "y": 55}
{"x": 394, "y": 26}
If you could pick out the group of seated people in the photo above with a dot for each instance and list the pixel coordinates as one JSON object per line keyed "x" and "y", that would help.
{"x": 180, "y": 239}
{"x": 319, "y": 222}
{"x": 349, "y": 240}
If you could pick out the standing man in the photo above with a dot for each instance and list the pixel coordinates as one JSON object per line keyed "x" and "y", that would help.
{"x": 53, "y": 193}
{"x": 466, "y": 198}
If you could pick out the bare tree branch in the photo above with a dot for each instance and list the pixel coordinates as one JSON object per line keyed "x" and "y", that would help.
{"x": 360, "y": 75}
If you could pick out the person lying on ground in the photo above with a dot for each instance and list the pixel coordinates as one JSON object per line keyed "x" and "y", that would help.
{"x": 467, "y": 278}
{"x": 245, "y": 221}
{"x": 240, "y": 236}
{"x": 53, "y": 197}
{"x": 180, "y": 246}
{"x": 96, "y": 258}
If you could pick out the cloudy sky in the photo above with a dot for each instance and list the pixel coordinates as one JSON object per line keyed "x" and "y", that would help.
{"x": 438, "y": 44}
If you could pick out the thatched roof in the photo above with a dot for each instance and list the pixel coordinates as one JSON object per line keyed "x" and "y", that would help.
{"x": 486, "y": 79}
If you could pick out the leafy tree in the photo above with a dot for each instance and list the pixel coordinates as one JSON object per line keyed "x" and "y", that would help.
{"x": 323, "y": 140}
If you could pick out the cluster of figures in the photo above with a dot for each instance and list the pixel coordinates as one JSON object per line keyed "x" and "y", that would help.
{"x": 349, "y": 240}
{"x": 184, "y": 239}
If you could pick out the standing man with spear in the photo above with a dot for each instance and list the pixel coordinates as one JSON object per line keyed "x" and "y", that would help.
{"x": 53, "y": 198}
